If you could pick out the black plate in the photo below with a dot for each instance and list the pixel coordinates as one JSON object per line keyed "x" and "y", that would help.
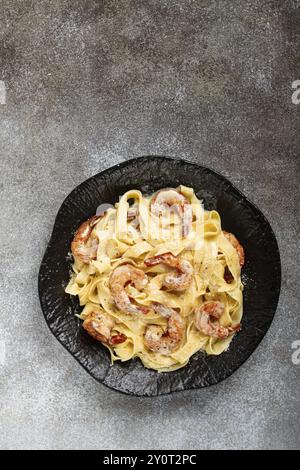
{"x": 261, "y": 274}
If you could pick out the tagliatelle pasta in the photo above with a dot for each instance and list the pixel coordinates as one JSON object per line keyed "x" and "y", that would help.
{"x": 131, "y": 233}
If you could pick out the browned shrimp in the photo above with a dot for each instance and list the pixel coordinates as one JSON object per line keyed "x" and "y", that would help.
{"x": 119, "y": 278}
{"x": 173, "y": 199}
{"x": 206, "y": 320}
{"x": 84, "y": 246}
{"x": 165, "y": 342}
{"x": 236, "y": 244}
{"x": 182, "y": 278}
{"x": 99, "y": 326}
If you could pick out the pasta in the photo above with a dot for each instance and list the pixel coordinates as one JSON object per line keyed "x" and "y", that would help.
{"x": 126, "y": 262}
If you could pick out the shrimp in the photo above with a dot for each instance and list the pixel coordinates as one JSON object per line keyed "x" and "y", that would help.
{"x": 173, "y": 199}
{"x": 174, "y": 281}
{"x": 99, "y": 326}
{"x": 213, "y": 310}
{"x": 165, "y": 342}
{"x": 236, "y": 244}
{"x": 84, "y": 246}
{"x": 119, "y": 278}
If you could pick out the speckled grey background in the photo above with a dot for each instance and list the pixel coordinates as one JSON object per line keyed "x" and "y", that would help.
{"x": 90, "y": 84}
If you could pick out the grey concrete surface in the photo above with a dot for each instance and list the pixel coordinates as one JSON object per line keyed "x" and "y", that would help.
{"x": 90, "y": 84}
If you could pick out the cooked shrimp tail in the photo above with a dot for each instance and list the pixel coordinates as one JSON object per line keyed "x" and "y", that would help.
{"x": 117, "y": 339}
{"x": 207, "y": 318}
{"x": 236, "y": 244}
{"x": 99, "y": 325}
{"x": 84, "y": 246}
{"x": 119, "y": 278}
{"x": 167, "y": 199}
{"x": 181, "y": 279}
{"x": 165, "y": 341}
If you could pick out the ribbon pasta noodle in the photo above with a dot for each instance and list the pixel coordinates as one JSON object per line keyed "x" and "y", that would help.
{"x": 146, "y": 236}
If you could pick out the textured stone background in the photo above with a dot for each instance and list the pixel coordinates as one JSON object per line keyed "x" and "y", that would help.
{"x": 90, "y": 84}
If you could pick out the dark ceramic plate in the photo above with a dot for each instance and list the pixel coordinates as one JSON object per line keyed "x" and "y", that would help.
{"x": 261, "y": 274}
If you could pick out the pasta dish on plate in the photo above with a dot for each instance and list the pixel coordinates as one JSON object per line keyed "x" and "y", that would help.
{"x": 158, "y": 278}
